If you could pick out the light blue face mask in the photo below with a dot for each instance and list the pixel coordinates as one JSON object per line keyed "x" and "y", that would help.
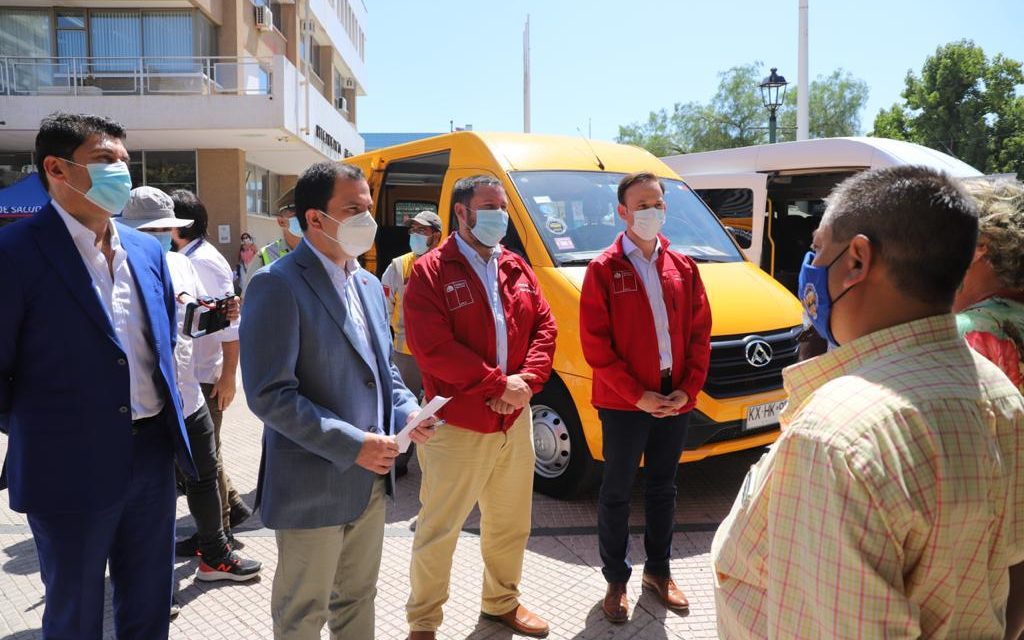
{"x": 491, "y": 226}
{"x": 111, "y": 185}
{"x": 293, "y": 227}
{"x": 164, "y": 238}
{"x": 418, "y": 243}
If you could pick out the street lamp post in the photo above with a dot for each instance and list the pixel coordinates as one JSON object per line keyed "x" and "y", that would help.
{"x": 773, "y": 94}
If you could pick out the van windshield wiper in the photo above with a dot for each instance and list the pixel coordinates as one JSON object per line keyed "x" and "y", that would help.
{"x": 574, "y": 262}
{"x": 708, "y": 259}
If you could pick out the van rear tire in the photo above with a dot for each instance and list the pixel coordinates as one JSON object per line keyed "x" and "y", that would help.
{"x": 563, "y": 466}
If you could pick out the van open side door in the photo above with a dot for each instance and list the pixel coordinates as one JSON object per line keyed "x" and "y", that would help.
{"x": 740, "y": 201}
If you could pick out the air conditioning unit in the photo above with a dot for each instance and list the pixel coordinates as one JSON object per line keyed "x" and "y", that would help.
{"x": 350, "y": 83}
{"x": 308, "y": 27}
{"x": 264, "y": 19}
{"x": 341, "y": 104}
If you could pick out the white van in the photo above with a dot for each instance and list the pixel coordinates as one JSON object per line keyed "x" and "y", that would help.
{"x": 786, "y": 184}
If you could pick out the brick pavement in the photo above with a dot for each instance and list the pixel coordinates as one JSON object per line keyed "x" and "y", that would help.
{"x": 562, "y": 579}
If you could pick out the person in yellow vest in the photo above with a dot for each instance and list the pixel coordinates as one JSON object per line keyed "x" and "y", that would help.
{"x": 424, "y": 235}
{"x": 291, "y": 234}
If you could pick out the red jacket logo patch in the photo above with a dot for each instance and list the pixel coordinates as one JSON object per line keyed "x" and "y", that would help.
{"x": 457, "y": 295}
{"x": 623, "y": 282}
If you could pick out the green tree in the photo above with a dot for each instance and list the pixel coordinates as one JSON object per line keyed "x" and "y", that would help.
{"x": 735, "y": 116}
{"x": 834, "y": 108}
{"x": 963, "y": 104}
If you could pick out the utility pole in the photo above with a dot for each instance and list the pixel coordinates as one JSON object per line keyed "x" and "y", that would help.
{"x": 803, "y": 99}
{"x": 526, "y": 76}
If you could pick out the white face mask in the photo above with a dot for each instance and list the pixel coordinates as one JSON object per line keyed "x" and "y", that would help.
{"x": 356, "y": 234}
{"x": 647, "y": 223}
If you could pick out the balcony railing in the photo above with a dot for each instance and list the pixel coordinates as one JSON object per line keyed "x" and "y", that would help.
{"x": 20, "y": 76}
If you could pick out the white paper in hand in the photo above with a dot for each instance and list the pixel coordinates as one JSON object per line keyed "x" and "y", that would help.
{"x": 428, "y": 411}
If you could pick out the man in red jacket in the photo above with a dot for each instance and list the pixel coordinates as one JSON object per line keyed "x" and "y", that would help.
{"x": 483, "y": 335}
{"x": 645, "y": 326}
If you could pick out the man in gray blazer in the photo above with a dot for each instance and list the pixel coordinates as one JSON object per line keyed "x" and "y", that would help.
{"x": 316, "y": 366}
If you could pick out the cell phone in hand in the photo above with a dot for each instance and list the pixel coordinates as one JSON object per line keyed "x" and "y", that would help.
{"x": 205, "y": 316}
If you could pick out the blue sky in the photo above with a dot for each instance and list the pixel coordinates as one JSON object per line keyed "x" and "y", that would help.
{"x": 613, "y": 62}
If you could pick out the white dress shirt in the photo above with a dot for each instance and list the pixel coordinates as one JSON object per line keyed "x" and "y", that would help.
{"x": 216, "y": 278}
{"x": 648, "y": 272}
{"x": 119, "y": 298}
{"x": 487, "y": 272}
{"x": 349, "y": 295}
{"x": 185, "y": 280}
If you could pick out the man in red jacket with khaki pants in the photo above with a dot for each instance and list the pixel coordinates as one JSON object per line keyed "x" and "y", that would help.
{"x": 645, "y": 327}
{"x": 482, "y": 334}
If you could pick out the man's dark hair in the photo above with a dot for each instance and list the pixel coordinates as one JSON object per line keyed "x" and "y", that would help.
{"x": 61, "y": 133}
{"x": 316, "y": 186}
{"x": 923, "y": 226}
{"x": 637, "y": 178}
{"x": 188, "y": 207}
{"x": 464, "y": 189}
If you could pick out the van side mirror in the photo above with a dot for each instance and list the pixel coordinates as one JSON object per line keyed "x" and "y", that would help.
{"x": 742, "y": 237}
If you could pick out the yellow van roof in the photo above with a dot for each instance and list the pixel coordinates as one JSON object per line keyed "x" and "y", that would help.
{"x": 530, "y": 152}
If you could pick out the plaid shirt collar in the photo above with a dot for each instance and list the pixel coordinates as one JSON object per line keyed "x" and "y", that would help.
{"x": 803, "y": 379}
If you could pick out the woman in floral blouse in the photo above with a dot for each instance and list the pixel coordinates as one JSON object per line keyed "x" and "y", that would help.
{"x": 990, "y": 312}
{"x": 990, "y": 303}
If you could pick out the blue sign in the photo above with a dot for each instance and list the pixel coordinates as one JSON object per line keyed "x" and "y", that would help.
{"x": 23, "y": 198}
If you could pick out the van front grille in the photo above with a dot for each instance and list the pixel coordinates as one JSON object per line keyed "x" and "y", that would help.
{"x": 734, "y": 359}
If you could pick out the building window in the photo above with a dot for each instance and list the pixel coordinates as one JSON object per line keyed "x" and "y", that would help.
{"x": 71, "y": 34}
{"x": 14, "y": 166}
{"x": 25, "y": 32}
{"x": 170, "y": 170}
{"x": 165, "y": 170}
{"x": 205, "y": 35}
{"x": 257, "y": 190}
{"x": 115, "y": 33}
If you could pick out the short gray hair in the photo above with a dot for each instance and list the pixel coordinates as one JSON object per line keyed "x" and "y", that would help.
{"x": 1001, "y": 227}
{"x": 921, "y": 223}
{"x": 464, "y": 189}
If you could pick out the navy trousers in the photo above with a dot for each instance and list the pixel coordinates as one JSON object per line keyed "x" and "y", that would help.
{"x": 136, "y": 536}
{"x": 628, "y": 435}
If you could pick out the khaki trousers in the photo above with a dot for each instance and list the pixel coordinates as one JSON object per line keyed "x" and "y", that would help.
{"x": 329, "y": 574}
{"x": 460, "y": 469}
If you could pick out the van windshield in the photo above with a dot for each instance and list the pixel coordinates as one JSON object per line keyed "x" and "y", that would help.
{"x": 575, "y": 214}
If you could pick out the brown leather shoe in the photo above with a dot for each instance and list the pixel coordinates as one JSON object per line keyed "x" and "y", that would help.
{"x": 422, "y": 635}
{"x": 667, "y": 591}
{"x": 522, "y": 621}
{"x": 616, "y": 604}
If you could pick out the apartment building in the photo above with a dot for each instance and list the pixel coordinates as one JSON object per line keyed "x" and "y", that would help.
{"x": 229, "y": 98}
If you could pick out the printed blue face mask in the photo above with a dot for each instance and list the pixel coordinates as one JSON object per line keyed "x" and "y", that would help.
{"x": 418, "y": 243}
{"x": 814, "y": 295}
{"x": 491, "y": 226}
{"x": 111, "y": 185}
{"x": 293, "y": 226}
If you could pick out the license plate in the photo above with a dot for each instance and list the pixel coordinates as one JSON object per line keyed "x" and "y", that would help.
{"x": 762, "y": 415}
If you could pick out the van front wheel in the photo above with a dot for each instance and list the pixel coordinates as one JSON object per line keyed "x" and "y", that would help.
{"x": 563, "y": 468}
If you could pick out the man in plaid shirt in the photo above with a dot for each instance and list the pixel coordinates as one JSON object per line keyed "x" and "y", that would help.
{"x": 892, "y": 505}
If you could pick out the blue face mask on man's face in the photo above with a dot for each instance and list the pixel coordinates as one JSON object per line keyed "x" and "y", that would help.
{"x": 293, "y": 227}
{"x": 164, "y": 238}
{"x": 111, "y": 185}
{"x": 815, "y": 297}
{"x": 491, "y": 226}
{"x": 418, "y": 243}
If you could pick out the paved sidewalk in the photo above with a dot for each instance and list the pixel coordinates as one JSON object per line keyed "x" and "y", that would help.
{"x": 562, "y": 579}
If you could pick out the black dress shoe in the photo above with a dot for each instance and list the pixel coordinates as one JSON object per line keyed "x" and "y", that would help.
{"x": 238, "y": 514}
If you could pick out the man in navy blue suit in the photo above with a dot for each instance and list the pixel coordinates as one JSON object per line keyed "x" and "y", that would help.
{"x": 87, "y": 393}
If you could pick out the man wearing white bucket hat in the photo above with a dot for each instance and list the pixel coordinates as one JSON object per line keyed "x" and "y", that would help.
{"x": 152, "y": 211}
